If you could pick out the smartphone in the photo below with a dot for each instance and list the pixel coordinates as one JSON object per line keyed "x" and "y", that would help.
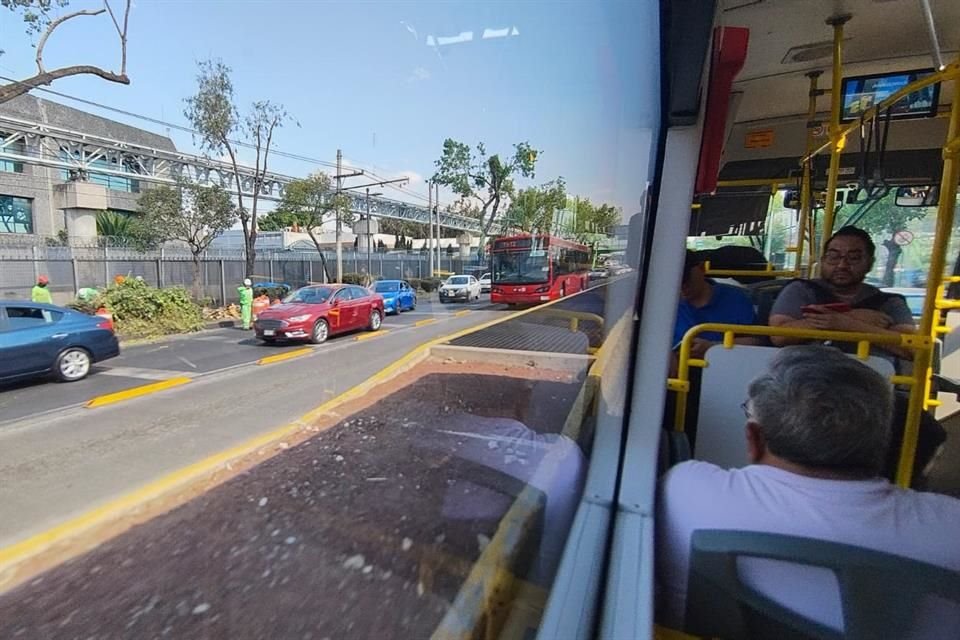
{"x": 839, "y": 307}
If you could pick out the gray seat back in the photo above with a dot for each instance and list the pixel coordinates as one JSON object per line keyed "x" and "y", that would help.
{"x": 723, "y": 388}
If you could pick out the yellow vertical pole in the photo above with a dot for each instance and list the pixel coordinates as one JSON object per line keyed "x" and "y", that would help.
{"x": 920, "y": 390}
{"x": 806, "y": 207}
{"x": 836, "y": 135}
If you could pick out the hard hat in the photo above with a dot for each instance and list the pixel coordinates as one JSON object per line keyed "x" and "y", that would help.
{"x": 43, "y": 280}
{"x": 247, "y": 282}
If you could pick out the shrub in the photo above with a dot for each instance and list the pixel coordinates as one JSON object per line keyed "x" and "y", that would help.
{"x": 279, "y": 292}
{"x": 354, "y": 278}
{"x": 140, "y": 310}
{"x": 430, "y": 284}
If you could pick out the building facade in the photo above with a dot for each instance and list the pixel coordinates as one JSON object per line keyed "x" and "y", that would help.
{"x": 56, "y": 201}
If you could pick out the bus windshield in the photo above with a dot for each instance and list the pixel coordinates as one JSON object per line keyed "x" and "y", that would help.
{"x": 520, "y": 268}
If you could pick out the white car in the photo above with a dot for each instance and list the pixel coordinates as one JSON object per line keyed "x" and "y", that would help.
{"x": 465, "y": 288}
{"x": 486, "y": 283}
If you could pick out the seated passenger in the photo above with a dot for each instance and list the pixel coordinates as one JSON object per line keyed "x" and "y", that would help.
{"x": 702, "y": 300}
{"x": 847, "y": 261}
{"x": 817, "y": 432}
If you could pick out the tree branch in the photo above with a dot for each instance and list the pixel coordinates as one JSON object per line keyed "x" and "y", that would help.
{"x": 20, "y": 87}
{"x": 120, "y": 32}
{"x": 53, "y": 25}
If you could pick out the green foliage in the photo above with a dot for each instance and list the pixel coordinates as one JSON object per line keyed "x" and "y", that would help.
{"x": 127, "y": 229}
{"x": 354, "y": 278}
{"x": 274, "y": 293}
{"x": 883, "y": 221}
{"x": 310, "y": 202}
{"x": 278, "y": 221}
{"x": 189, "y": 213}
{"x": 35, "y": 13}
{"x": 534, "y": 209}
{"x": 593, "y": 219}
{"x": 211, "y": 110}
{"x": 428, "y": 284}
{"x": 140, "y": 310}
{"x": 472, "y": 174}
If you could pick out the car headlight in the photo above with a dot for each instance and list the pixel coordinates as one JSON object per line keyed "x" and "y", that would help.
{"x": 302, "y": 318}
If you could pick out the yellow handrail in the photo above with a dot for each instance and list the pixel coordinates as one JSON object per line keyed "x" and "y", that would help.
{"x": 945, "y": 213}
{"x": 919, "y": 382}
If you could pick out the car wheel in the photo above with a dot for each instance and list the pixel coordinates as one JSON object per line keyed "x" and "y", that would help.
{"x": 375, "y": 321}
{"x": 563, "y": 290}
{"x": 320, "y": 332}
{"x": 72, "y": 365}
{"x": 413, "y": 304}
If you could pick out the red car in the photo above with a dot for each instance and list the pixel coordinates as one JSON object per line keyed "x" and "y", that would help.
{"x": 314, "y": 313}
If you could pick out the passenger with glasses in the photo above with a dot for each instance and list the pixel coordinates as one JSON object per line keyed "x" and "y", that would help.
{"x": 840, "y": 300}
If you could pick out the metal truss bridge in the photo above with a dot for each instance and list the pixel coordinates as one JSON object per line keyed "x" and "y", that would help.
{"x": 54, "y": 147}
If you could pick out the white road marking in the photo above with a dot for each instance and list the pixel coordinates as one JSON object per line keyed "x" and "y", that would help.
{"x": 137, "y": 372}
{"x": 186, "y": 362}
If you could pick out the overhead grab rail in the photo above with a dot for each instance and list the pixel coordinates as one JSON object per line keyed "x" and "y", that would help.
{"x": 918, "y": 383}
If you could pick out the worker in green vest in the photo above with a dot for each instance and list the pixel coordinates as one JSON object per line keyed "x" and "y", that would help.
{"x": 40, "y": 292}
{"x": 246, "y": 302}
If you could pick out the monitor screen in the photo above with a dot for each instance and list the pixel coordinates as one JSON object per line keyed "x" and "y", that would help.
{"x": 860, "y": 93}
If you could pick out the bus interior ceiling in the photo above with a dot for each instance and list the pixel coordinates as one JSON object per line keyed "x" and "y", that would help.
{"x": 767, "y": 122}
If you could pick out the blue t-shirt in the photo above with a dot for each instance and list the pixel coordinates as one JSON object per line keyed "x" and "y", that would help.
{"x": 728, "y": 305}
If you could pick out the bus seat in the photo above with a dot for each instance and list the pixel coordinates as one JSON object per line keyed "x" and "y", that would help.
{"x": 723, "y": 389}
{"x": 674, "y": 449}
{"x": 763, "y": 295}
{"x": 881, "y": 594}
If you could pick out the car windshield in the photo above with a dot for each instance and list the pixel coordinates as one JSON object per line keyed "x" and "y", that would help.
{"x": 386, "y": 287}
{"x": 519, "y": 268}
{"x": 459, "y": 280}
{"x": 309, "y": 295}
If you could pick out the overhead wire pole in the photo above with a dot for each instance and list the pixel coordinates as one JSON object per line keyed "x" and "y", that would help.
{"x": 430, "y": 227}
{"x": 436, "y": 209}
{"x": 340, "y": 176}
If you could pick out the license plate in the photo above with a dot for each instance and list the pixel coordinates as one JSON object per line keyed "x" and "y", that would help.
{"x": 268, "y": 332}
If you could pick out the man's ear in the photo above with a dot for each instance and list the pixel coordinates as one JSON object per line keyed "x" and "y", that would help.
{"x": 756, "y": 442}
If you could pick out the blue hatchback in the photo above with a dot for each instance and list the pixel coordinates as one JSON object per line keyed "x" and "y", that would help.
{"x": 38, "y": 339}
{"x": 398, "y": 295}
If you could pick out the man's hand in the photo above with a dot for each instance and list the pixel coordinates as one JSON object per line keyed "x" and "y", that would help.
{"x": 872, "y": 317}
{"x": 699, "y": 347}
{"x": 827, "y": 320}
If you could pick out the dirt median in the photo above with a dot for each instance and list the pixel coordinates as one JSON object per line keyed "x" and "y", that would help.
{"x": 364, "y": 530}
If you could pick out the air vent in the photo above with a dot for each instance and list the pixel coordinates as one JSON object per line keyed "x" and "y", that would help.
{"x": 809, "y": 52}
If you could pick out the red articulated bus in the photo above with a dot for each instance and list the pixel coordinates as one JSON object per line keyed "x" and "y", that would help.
{"x": 528, "y": 269}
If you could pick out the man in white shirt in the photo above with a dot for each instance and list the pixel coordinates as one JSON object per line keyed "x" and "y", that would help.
{"x": 818, "y": 429}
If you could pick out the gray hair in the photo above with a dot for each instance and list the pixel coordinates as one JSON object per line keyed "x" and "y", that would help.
{"x": 822, "y": 409}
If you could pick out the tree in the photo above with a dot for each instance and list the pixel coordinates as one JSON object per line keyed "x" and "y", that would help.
{"x": 533, "y": 210}
{"x": 189, "y": 213}
{"x": 278, "y": 221}
{"x": 36, "y": 16}
{"x": 310, "y": 202}
{"x": 886, "y": 219}
{"x": 212, "y": 112}
{"x": 593, "y": 219}
{"x": 489, "y": 179}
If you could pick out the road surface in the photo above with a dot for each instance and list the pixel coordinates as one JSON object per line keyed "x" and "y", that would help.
{"x": 59, "y": 458}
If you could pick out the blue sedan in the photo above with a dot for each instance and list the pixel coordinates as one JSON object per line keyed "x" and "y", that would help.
{"x": 398, "y": 295}
{"x": 38, "y": 339}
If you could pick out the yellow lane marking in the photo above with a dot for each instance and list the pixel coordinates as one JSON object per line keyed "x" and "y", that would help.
{"x": 286, "y": 355}
{"x": 421, "y": 323}
{"x": 459, "y": 314}
{"x": 17, "y": 553}
{"x": 136, "y": 392}
{"x": 371, "y": 334}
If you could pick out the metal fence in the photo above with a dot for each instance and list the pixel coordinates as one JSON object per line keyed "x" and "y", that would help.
{"x": 70, "y": 269}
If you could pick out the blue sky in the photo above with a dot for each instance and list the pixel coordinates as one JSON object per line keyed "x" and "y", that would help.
{"x": 363, "y": 77}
